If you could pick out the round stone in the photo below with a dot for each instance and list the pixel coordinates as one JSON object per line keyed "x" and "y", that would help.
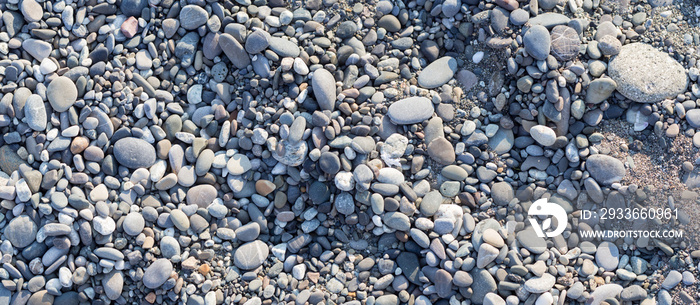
{"x": 251, "y": 255}
{"x": 193, "y": 16}
{"x": 35, "y": 113}
{"x": 134, "y": 153}
{"x": 201, "y": 195}
{"x": 345, "y": 204}
{"x": 442, "y": 151}
{"x": 565, "y": 43}
{"x": 238, "y": 164}
{"x": 133, "y": 223}
{"x": 157, "y": 273}
{"x": 21, "y": 231}
{"x": 647, "y": 75}
{"x": 61, "y": 93}
{"x": 411, "y": 110}
{"x": 599, "y": 90}
{"x": 609, "y": 45}
{"x": 438, "y": 73}
{"x": 543, "y": 135}
{"x": 537, "y": 42}
{"x": 605, "y": 169}
{"x": 608, "y": 256}
{"x": 323, "y": 84}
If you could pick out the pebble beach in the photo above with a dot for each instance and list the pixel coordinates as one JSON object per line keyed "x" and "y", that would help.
{"x": 322, "y": 152}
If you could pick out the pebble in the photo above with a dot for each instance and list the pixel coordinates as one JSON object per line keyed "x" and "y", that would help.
{"x": 411, "y": 110}
{"x": 157, "y": 273}
{"x": 543, "y": 135}
{"x": 323, "y": 84}
{"x": 656, "y": 78}
{"x": 605, "y": 169}
{"x": 565, "y": 42}
{"x": 251, "y": 255}
{"x": 61, "y": 93}
{"x": 438, "y": 72}
{"x": 537, "y": 42}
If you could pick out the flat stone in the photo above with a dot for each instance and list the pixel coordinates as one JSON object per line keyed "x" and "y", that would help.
{"x": 673, "y": 278}
{"x": 647, "y": 75}
{"x": 201, "y": 195}
{"x": 323, "y": 84}
{"x": 543, "y": 135}
{"x": 537, "y": 42}
{"x": 251, "y": 255}
{"x": 157, "y": 273}
{"x": 438, "y": 73}
{"x": 35, "y": 113}
{"x": 397, "y": 221}
{"x": 599, "y": 90}
{"x": 605, "y": 169}
{"x": 234, "y": 51}
{"x": 529, "y": 239}
{"x": 692, "y": 116}
{"x": 442, "y": 151}
{"x": 443, "y": 283}
{"x": 38, "y": 49}
{"x": 193, "y": 16}
{"x": 113, "y": 284}
{"x": 565, "y": 43}
{"x": 502, "y": 193}
{"x": 607, "y": 256}
{"x": 549, "y": 20}
{"x": 31, "y": 10}
{"x": 21, "y": 231}
{"x": 411, "y": 110}
{"x": 133, "y": 224}
{"x": 61, "y": 93}
{"x": 540, "y": 284}
{"x": 483, "y": 283}
{"x": 134, "y": 153}
{"x": 257, "y": 41}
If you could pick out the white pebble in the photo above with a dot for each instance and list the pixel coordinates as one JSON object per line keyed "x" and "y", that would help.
{"x": 478, "y": 56}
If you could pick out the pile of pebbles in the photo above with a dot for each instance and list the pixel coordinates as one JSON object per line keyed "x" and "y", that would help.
{"x": 264, "y": 152}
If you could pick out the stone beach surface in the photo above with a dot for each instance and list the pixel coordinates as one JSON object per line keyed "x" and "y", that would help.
{"x": 362, "y": 153}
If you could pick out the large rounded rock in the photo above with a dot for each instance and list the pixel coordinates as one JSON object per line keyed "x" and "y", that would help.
{"x": 21, "y": 231}
{"x": 35, "y": 113}
{"x": 647, "y": 75}
{"x": 193, "y": 16}
{"x": 323, "y": 84}
{"x": 438, "y": 73}
{"x": 61, "y": 93}
{"x": 251, "y": 255}
{"x": 157, "y": 273}
{"x": 134, "y": 153}
{"x": 113, "y": 284}
{"x": 565, "y": 42}
{"x": 411, "y": 110}
{"x": 543, "y": 135}
{"x": 605, "y": 169}
{"x": 537, "y": 42}
{"x": 201, "y": 195}
{"x": 133, "y": 223}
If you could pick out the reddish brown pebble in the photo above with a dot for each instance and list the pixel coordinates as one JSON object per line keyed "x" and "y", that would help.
{"x": 78, "y": 145}
{"x": 264, "y": 187}
{"x": 129, "y": 27}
